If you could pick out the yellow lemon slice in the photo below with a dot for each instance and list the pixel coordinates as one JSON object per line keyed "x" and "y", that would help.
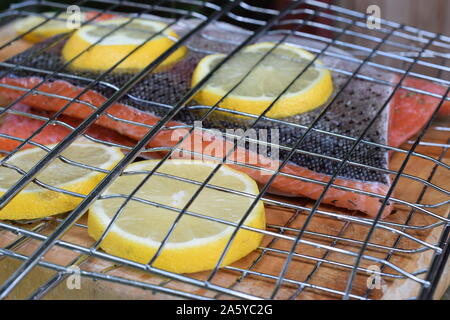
{"x": 196, "y": 243}
{"x": 266, "y": 81}
{"x": 56, "y": 25}
{"x": 35, "y": 201}
{"x": 119, "y": 44}
{"x": 49, "y": 29}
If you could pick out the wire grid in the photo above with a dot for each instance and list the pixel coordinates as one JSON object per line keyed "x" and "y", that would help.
{"x": 394, "y": 48}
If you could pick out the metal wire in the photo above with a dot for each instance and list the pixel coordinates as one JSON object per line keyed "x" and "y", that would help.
{"x": 344, "y": 22}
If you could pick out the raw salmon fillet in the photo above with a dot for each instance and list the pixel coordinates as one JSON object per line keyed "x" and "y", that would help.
{"x": 411, "y": 111}
{"x": 347, "y": 117}
{"x": 20, "y": 126}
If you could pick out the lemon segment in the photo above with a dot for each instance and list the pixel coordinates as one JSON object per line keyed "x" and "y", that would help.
{"x": 196, "y": 243}
{"x": 56, "y": 25}
{"x": 120, "y": 43}
{"x": 265, "y": 82}
{"x": 35, "y": 201}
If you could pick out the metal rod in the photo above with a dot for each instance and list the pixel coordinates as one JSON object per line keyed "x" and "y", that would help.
{"x": 413, "y": 52}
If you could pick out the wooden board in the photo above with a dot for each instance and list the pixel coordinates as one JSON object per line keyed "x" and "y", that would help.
{"x": 430, "y": 15}
{"x": 303, "y": 267}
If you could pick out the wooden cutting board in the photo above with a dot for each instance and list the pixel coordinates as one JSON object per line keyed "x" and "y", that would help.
{"x": 304, "y": 266}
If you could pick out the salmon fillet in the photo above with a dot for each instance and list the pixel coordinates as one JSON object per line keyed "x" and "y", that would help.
{"x": 286, "y": 185}
{"x": 20, "y": 126}
{"x": 315, "y": 160}
{"x": 411, "y": 111}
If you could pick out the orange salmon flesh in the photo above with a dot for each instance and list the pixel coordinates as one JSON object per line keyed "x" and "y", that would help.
{"x": 409, "y": 112}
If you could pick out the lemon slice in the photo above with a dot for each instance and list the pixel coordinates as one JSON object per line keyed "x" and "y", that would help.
{"x": 266, "y": 81}
{"x": 56, "y": 25}
{"x": 196, "y": 243}
{"x": 49, "y": 29}
{"x": 35, "y": 201}
{"x": 119, "y": 44}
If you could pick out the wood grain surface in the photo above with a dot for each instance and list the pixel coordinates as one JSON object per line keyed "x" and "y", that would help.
{"x": 431, "y": 15}
{"x": 309, "y": 264}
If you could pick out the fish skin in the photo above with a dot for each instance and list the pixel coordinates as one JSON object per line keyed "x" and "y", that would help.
{"x": 284, "y": 185}
{"x": 289, "y": 186}
{"x": 168, "y": 87}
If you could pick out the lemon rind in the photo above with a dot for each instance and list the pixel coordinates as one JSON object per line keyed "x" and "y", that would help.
{"x": 101, "y": 57}
{"x": 210, "y": 95}
{"x": 181, "y": 257}
{"x": 34, "y": 204}
{"x": 118, "y": 154}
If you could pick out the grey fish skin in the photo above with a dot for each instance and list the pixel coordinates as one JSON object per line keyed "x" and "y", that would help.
{"x": 348, "y": 115}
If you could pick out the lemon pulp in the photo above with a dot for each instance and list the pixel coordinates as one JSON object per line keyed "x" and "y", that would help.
{"x": 263, "y": 83}
{"x": 196, "y": 242}
{"x": 35, "y": 201}
{"x": 56, "y": 25}
{"x": 105, "y": 43}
